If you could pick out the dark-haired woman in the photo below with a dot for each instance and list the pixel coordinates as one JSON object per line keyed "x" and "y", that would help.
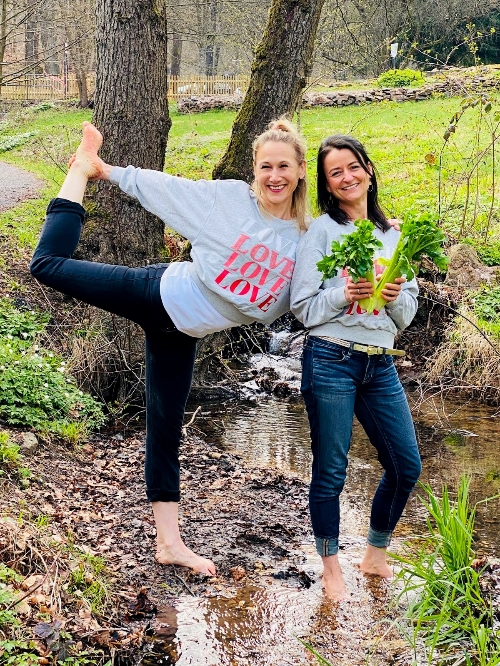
{"x": 348, "y": 364}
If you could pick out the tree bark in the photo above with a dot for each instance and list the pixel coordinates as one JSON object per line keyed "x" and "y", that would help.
{"x": 131, "y": 110}
{"x": 83, "y": 91}
{"x": 281, "y": 65}
{"x": 175, "y": 67}
{"x": 3, "y": 37}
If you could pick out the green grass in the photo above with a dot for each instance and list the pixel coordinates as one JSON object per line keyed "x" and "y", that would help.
{"x": 398, "y": 136}
{"x": 448, "y": 615}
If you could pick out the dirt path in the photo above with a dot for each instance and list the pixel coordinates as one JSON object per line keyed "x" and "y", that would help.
{"x": 16, "y": 185}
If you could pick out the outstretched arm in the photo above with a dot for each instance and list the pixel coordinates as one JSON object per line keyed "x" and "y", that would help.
{"x": 84, "y": 165}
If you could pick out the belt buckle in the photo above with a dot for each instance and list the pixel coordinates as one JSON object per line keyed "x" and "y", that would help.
{"x": 372, "y": 350}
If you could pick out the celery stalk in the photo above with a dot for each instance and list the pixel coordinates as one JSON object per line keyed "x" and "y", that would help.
{"x": 420, "y": 236}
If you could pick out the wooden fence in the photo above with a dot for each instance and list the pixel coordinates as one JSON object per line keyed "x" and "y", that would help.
{"x": 203, "y": 85}
{"x": 41, "y": 88}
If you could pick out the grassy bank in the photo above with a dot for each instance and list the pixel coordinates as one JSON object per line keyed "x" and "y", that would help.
{"x": 405, "y": 141}
{"x": 419, "y": 169}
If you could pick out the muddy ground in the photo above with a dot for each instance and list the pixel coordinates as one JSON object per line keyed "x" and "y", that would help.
{"x": 253, "y": 522}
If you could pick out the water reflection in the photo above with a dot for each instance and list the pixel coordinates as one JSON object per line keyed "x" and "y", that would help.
{"x": 454, "y": 438}
{"x": 262, "y": 624}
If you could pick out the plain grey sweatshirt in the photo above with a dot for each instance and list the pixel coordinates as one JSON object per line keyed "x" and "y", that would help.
{"x": 321, "y": 304}
{"x": 242, "y": 260}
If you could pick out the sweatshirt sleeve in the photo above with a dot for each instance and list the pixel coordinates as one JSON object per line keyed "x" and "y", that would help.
{"x": 184, "y": 205}
{"x": 404, "y": 308}
{"x": 311, "y": 302}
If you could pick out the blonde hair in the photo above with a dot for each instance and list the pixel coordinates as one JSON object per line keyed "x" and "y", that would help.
{"x": 283, "y": 130}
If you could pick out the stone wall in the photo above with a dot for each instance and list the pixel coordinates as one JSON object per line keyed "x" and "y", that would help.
{"x": 452, "y": 86}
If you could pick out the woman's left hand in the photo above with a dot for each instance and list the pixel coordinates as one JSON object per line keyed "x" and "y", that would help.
{"x": 392, "y": 290}
{"x": 394, "y": 223}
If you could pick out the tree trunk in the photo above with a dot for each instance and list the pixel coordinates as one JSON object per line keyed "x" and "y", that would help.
{"x": 131, "y": 110}
{"x": 83, "y": 91}
{"x": 3, "y": 37}
{"x": 175, "y": 68}
{"x": 281, "y": 65}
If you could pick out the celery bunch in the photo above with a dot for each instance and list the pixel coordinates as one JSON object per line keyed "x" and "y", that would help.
{"x": 355, "y": 253}
{"x": 420, "y": 236}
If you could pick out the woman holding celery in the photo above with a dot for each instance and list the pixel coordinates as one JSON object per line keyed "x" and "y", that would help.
{"x": 348, "y": 364}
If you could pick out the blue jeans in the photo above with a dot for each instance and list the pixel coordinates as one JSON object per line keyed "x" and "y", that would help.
{"x": 133, "y": 293}
{"x": 338, "y": 382}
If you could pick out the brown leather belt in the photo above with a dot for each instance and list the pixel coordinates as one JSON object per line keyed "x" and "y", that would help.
{"x": 367, "y": 349}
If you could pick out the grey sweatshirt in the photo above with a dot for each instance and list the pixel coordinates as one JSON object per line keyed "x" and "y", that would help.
{"x": 242, "y": 261}
{"x": 321, "y": 305}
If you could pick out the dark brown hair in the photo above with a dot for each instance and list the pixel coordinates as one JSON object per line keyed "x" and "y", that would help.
{"x": 327, "y": 202}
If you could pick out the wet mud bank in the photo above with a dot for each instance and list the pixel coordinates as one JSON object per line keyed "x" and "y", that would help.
{"x": 244, "y": 505}
{"x": 251, "y": 522}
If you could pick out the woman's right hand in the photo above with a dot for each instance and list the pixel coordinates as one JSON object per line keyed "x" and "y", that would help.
{"x": 355, "y": 291}
{"x": 86, "y": 158}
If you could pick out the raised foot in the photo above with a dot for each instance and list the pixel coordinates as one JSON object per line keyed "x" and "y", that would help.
{"x": 184, "y": 557}
{"x": 91, "y": 139}
{"x": 86, "y": 157}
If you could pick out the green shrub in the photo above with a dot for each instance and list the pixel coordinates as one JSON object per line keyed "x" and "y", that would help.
{"x": 43, "y": 106}
{"x": 10, "y": 142}
{"x": 9, "y": 451}
{"x": 488, "y": 254}
{"x": 36, "y": 388}
{"x": 486, "y": 304}
{"x": 397, "y": 78}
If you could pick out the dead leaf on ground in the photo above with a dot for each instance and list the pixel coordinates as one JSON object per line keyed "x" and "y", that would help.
{"x": 141, "y": 605}
{"x": 238, "y": 573}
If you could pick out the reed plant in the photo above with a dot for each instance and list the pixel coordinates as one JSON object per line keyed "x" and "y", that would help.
{"x": 449, "y": 617}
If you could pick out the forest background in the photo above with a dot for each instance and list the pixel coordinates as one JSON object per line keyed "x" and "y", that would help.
{"x": 219, "y": 37}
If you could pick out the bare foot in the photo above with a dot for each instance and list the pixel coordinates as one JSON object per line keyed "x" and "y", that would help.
{"x": 91, "y": 139}
{"x": 333, "y": 580}
{"x": 375, "y": 563}
{"x": 183, "y": 556}
{"x": 86, "y": 154}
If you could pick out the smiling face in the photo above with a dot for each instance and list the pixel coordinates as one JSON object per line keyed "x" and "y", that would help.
{"x": 346, "y": 179}
{"x": 277, "y": 172}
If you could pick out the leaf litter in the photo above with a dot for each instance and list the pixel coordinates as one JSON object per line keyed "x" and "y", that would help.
{"x": 89, "y": 503}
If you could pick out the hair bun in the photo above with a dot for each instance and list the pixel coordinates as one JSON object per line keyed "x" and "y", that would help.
{"x": 282, "y": 125}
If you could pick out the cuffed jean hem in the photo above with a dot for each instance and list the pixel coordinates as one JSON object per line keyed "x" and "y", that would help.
{"x": 158, "y": 495}
{"x": 326, "y": 547}
{"x": 379, "y": 539}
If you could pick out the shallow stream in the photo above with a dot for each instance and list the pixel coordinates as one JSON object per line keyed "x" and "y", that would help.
{"x": 262, "y": 625}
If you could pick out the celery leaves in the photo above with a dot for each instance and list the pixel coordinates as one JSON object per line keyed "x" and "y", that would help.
{"x": 420, "y": 236}
{"x": 355, "y": 253}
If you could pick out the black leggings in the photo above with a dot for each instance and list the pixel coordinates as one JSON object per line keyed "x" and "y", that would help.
{"x": 133, "y": 293}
